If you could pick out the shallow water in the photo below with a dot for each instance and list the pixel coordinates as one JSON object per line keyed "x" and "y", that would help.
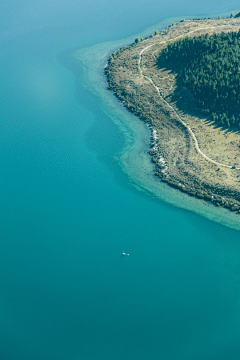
{"x": 71, "y": 203}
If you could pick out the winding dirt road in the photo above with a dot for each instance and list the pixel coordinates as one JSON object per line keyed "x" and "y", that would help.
{"x": 170, "y": 106}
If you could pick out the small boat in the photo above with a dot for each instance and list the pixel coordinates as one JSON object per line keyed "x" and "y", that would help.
{"x": 124, "y": 254}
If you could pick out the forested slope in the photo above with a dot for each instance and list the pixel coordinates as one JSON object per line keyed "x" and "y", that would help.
{"x": 209, "y": 66}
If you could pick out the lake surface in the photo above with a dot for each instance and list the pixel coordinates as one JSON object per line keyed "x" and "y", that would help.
{"x": 72, "y": 201}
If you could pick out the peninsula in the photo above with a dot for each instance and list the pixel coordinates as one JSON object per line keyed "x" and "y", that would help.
{"x": 193, "y": 118}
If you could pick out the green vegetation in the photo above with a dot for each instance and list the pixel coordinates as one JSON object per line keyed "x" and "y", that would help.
{"x": 137, "y": 40}
{"x": 182, "y": 20}
{"x": 209, "y": 66}
{"x": 237, "y": 15}
{"x": 232, "y": 15}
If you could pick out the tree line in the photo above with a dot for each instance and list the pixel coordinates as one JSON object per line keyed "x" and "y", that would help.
{"x": 209, "y": 66}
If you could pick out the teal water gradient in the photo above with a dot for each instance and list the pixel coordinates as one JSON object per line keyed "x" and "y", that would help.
{"x": 68, "y": 211}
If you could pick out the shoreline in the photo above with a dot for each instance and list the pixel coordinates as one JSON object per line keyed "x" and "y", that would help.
{"x": 133, "y": 159}
{"x": 125, "y": 85}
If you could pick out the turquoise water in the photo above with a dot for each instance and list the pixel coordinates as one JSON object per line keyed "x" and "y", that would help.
{"x": 70, "y": 206}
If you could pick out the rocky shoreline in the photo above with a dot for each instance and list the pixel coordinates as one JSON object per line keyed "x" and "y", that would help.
{"x": 218, "y": 196}
{"x": 171, "y": 148}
